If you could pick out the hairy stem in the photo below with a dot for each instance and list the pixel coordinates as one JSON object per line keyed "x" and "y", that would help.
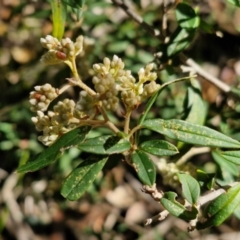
{"x": 79, "y": 82}
{"x": 127, "y": 121}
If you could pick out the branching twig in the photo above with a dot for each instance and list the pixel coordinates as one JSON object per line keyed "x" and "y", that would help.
{"x": 193, "y": 151}
{"x": 161, "y": 216}
{"x": 217, "y": 82}
{"x": 137, "y": 18}
{"x": 210, "y": 196}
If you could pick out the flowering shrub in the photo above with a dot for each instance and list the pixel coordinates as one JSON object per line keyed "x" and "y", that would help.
{"x": 69, "y": 122}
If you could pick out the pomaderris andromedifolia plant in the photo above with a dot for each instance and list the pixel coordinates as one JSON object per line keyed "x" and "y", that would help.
{"x": 68, "y": 123}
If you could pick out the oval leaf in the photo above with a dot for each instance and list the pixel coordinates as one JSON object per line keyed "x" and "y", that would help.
{"x": 159, "y": 148}
{"x": 186, "y": 16}
{"x": 144, "y": 167}
{"x": 53, "y": 152}
{"x": 221, "y": 208}
{"x": 177, "y": 209}
{"x": 205, "y": 180}
{"x": 180, "y": 40}
{"x": 105, "y": 145}
{"x": 190, "y": 133}
{"x": 190, "y": 187}
{"x": 82, "y": 177}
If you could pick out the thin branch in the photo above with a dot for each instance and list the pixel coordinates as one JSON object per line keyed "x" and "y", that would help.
{"x": 216, "y": 81}
{"x": 159, "y": 217}
{"x": 127, "y": 121}
{"x": 211, "y": 196}
{"x": 193, "y": 151}
{"x": 137, "y": 18}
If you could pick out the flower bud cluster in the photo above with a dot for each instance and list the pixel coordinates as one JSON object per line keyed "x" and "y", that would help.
{"x": 105, "y": 81}
{"x": 168, "y": 171}
{"x": 55, "y": 123}
{"x": 149, "y": 89}
{"x": 60, "y": 51}
{"x": 111, "y": 78}
{"x": 42, "y": 97}
{"x": 86, "y": 105}
{"x": 145, "y": 74}
{"x": 112, "y": 83}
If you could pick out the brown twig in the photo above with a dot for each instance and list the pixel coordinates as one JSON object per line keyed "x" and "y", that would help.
{"x": 200, "y": 71}
{"x": 137, "y": 18}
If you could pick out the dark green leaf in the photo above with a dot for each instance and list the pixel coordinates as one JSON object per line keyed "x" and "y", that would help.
{"x": 221, "y": 208}
{"x": 144, "y": 167}
{"x": 159, "y": 148}
{"x": 177, "y": 209}
{"x": 49, "y": 155}
{"x": 76, "y": 6}
{"x": 195, "y": 107}
{"x": 190, "y": 187}
{"x": 226, "y": 166}
{"x": 236, "y": 91}
{"x": 82, "y": 177}
{"x": 186, "y": 16}
{"x": 74, "y": 3}
{"x": 105, "y": 145}
{"x": 231, "y": 156}
{"x": 205, "y": 180}
{"x": 118, "y": 46}
{"x": 190, "y": 133}
{"x": 180, "y": 40}
{"x": 58, "y": 18}
{"x": 205, "y": 27}
{"x": 237, "y": 212}
{"x": 234, "y": 2}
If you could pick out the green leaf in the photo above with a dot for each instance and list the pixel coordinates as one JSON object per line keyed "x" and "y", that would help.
{"x": 190, "y": 186}
{"x": 159, "y": 148}
{"x": 195, "y": 107}
{"x": 234, "y": 2}
{"x": 144, "y": 167}
{"x": 82, "y": 177}
{"x": 205, "y": 180}
{"x": 205, "y": 27}
{"x": 226, "y": 166}
{"x": 105, "y": 145}
{"x": 237, "y": 212}
{"x": 221, "y": 208}
{"x": 177, "y": 209}
{"x": 58, "y": 18}
{"x": 117, "y": 46}
{"x": 75, "y": 3}
{"x": 49, "y": 155}
{"x": 186, "y": 16}
{"x": 190, "y": 133}
{"x": 236, "y": 91}
{"x": 231, "y": 156}
{"x": 180, "y": 40}
{"x": 76, "y": 6}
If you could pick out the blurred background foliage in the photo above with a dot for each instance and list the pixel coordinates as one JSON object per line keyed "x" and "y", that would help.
{"x": 31, "y": 206}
